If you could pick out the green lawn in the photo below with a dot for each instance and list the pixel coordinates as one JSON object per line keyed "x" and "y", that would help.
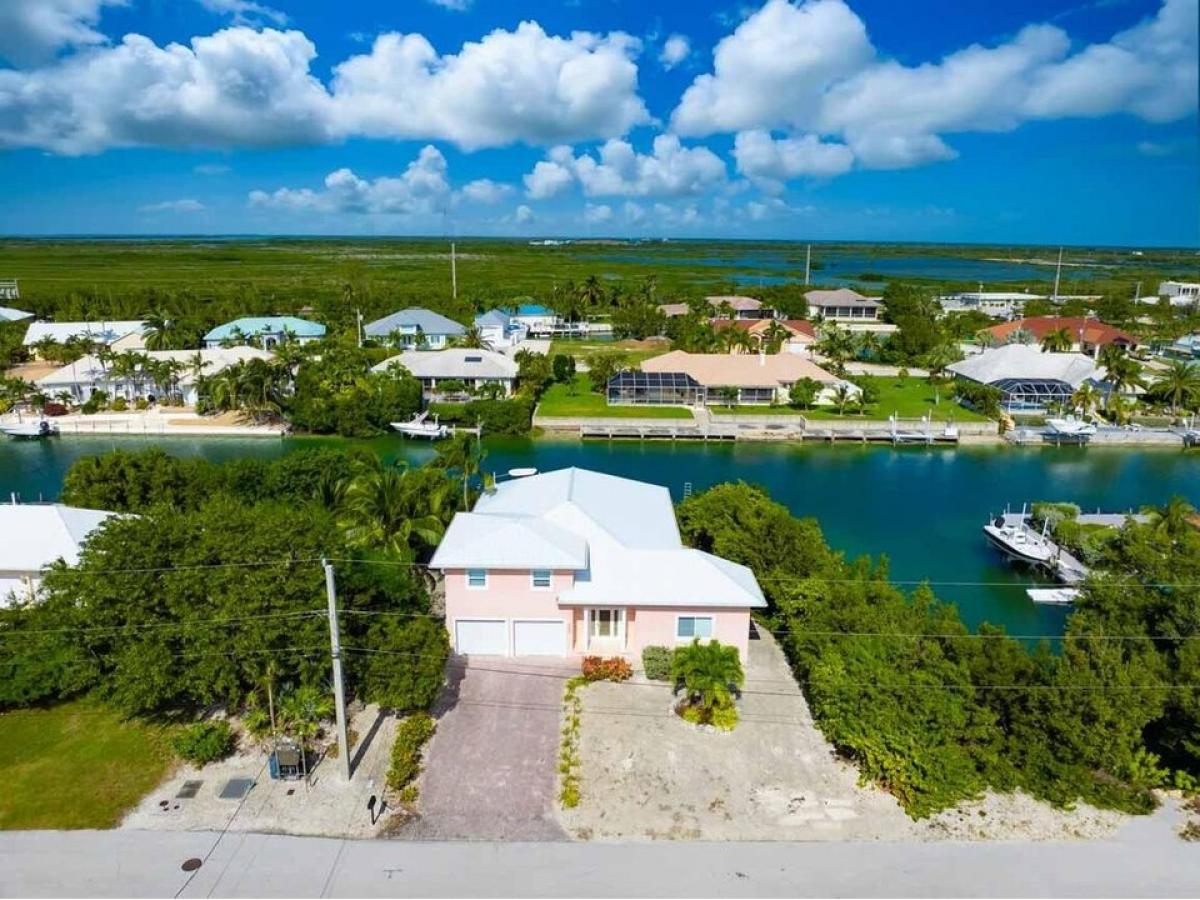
{"x": 580, "y": 400}
{"x": 75, "y": 765}
{"x": 635, "y": 352}
{"x": 910, "y": 398}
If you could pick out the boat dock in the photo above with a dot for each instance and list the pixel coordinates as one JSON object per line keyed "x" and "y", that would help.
{"x": 1014, "y": 536}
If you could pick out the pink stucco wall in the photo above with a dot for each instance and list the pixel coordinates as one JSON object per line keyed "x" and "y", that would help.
{"x": 510, "y": 595}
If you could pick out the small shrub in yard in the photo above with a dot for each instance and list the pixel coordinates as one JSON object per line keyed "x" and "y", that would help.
{"x": 656, "y": 661}
{"x": 568, "y": 754}
{"x": 411, "y": 736}
{"x": 205, "y": 742}
{"x": 596, "y": 668}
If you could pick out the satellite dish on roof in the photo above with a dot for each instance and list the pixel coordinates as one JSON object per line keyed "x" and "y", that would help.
{"x": 521, "y": 473}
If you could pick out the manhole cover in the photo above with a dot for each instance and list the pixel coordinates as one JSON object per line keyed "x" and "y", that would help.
{"x": 191, "y": 865}
{"x": 236, "y": 788}
{"x": 189, "y": 790}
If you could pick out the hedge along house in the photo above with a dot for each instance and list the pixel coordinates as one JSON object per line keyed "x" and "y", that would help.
{"x": 576, "y": 562}
{"x": 440, "y": 373}
{"x": 267, "y": 332}
{"x": 746, "y": 379}
{"x": 415, "y": 329}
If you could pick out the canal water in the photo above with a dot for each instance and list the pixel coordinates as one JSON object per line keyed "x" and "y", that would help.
{"x": 921, "y": 508}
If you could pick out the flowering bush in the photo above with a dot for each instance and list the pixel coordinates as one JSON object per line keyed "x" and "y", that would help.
{"x": 597, "y": 668}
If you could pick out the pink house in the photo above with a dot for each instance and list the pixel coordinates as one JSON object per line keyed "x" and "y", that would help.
{"x": 576, "y": 562}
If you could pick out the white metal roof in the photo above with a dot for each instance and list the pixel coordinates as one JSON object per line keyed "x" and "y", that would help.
{"x": 108, "y": 332}
{"x": 618, "y": 535}
{"x": 1026, "y": 361}
{"x": 34, "y": 535}
{"x": 455, "y": 362}
{"x": 8, "y": 314}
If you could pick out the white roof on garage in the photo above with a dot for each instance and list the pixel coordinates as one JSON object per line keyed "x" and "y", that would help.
{"x": 456, "y": 362}
{"x": 619, "y": 536}
{"x": 34, "y": 535}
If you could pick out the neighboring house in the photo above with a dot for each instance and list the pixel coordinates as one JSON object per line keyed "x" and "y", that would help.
{"x": 8, "y": 314}
{"x": 117, "y": 335}
{"x": 760, "y": 378}
{"x": 87, "y": 375}
{"x": 1186, "y": 348}
{"x": 998, "y": 304}
{"x": 575, "y": 562}
{"x": 535, "y": 318}
{"x": 801, "y": 333}
{"x": 741, "y": 307}
{"x": 473, "y": 368}
{"x": 498, "y": 329}
{"x": 1087, "y": 335}
{"x": 32, "y": 536}
{"x": 9, "y": 290}
{"x": 1029, "y": 379}
{"x": 415, "y": 328}
{"x": 843, "y": 305}
{"x": 266, "y": 332}
{"x": 1180, "y": 293}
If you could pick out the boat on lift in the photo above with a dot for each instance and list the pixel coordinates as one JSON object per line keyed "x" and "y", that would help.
{"x": 420, "y": 426}
{"x": 30, "y": 430}
{"x": 1012, "y": 535}
{"x": 1070, "y": 428}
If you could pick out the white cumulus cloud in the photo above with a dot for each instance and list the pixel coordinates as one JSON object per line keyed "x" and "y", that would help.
{"x": 509, "y": 86}
{"x": 675, "y": 50}
{"x": 617, "y": 169}
{"x": 597, "y": 213}
{"x": 245, "y": 12}
{"x": 523, "y": 215}
{"x": 772, "y": 161}
{"x": 423, "y": 189}
{"x": 32, "y": 31}
{"x": 484, "y": 190}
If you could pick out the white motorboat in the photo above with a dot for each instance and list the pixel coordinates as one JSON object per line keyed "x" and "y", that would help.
{"x": 30, "y": 430}
{"x": 1070, "y": 427}
{"x": 421, "y": 427}
{"x": 1012, "y": 536}
{"x": 1064, "y": 596}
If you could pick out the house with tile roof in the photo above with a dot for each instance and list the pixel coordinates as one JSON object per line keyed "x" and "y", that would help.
{"x": 1086, "y": 335}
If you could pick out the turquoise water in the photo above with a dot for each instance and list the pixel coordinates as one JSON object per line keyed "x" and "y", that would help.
{"x": 845, "y": 267}
{"x": 921, "y": 508}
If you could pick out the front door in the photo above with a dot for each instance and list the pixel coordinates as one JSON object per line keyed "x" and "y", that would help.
{"x": 606, "y": 629}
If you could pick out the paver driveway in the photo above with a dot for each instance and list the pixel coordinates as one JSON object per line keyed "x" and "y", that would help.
{"x": 490, "y": 769}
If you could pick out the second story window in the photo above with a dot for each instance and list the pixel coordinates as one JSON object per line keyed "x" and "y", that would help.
{"x": 541, "y": 579}
{"x": 477, "y": 578}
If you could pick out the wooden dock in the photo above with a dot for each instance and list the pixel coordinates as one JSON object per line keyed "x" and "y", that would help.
{"x": 627, "y": 431}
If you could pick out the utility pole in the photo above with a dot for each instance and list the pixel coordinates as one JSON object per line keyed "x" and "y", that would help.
{"x": 1057, "y": 273}
{"x": 358, "y": 318}
{"x": 807, "y": 262}
{"x": 339, "y": 692}
{"x": 453, "y": 273}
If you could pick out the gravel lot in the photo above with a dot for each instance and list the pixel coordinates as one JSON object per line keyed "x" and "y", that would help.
{"x": 646, "y": 774}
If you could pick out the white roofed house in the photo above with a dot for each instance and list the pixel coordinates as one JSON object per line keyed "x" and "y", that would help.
{"x": 1029, "y": 380}
{"x": 122, "y": 335}
{"x": 456, "y": 372}
{"x": 577, "y": 562}
{"x": 33, "y": 536}
{"x": 150, "y": 375}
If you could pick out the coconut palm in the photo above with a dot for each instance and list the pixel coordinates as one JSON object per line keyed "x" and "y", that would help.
{"x": 843, "y": 396}
{"x": 774, "y": 337}
{"x": 158, "y": 331}
{"x": 1124, "y": 373}
{"x": 473, "y": 339}
{"x": 386, "y": 509}
{"x": 1179, "y": 383}
{"x": 1085, "y": 399}
{"x": 591, "y": 293}
{"x": 1057, "y": 341}
{"x": 1172, "y": 519}
{"x": 462, "y": 454}
{"x": 837, "y": 345}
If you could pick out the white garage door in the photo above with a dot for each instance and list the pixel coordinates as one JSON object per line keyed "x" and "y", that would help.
{"x": 486, "y": 636}
{"x": 531, "y": 638}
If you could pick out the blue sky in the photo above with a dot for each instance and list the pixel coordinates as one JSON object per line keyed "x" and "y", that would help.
{"x": 1051, "y": 122}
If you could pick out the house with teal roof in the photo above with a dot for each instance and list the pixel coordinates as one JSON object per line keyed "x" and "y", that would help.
{"x": 266, "y": 332}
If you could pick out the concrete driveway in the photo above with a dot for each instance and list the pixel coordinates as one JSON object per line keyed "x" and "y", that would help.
{"x": 491, "y": 768}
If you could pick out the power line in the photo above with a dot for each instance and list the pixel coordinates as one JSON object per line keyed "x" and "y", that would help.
{"x": 205, "y": 623}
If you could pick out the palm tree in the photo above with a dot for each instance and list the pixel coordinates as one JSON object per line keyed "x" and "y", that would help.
{"x": 1173, "y": 519}
{"x": 1085, "y": 399}
{"x": 473, "y": 339}
{"x": 464, "y": 454}
{"x": 837, "y": 345}
{"x": 591, "y": 293}
{"x": 1180, "y": 384}
{"x": 843, "y": 396}
{"x": 774, "y": 337}
{"x": 1124, "y": 373}
{"x": 158, "y": 331}
{"x": 380, "y": 509}
{"x": 710, "y": 675}
{"x": 1057, "y": 341}
{"x": 48, "y": 348}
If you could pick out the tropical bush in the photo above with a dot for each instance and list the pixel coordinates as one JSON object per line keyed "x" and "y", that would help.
{"x": 512, "y": 416}
{"x": 614, "y": 668}
{"x": 205, "y": 742}
{"x": 656, "y": 663}
{"x": 411, "y": 735}
{"x": 710, "y": 676}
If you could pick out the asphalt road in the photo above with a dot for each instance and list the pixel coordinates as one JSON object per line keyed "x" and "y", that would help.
{"x": 1146, "y": 859}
